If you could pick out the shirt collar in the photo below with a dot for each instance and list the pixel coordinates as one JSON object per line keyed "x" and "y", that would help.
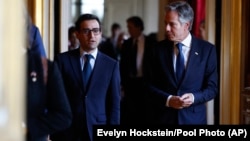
{"x": 93, "y": 53}
{"x": 187, "y": 41}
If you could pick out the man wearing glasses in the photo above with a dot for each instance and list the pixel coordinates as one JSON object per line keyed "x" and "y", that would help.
{"x": 92, "y": 83}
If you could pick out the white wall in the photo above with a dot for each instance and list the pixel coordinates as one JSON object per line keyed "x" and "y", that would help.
{"x": 151, "y": 16}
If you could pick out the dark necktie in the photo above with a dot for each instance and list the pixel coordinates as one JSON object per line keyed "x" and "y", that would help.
{"x": 179, "y": 63}
{"x": 86, "y": 69}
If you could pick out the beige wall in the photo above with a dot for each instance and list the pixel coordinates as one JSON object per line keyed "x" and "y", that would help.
{"x": 12, "y": 70}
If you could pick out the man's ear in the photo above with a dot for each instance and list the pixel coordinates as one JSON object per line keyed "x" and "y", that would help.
{"x": 77, "y": 34}
{"x": 187, "y": 25}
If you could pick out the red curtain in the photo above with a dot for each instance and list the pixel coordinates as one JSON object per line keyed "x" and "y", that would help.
{"x": 199, "y": 7}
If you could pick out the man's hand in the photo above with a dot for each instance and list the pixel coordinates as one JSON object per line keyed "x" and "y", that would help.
{"x": 187, "y": 99}
{"x": 184, "y": 101}
{"x": 175, "y": 102}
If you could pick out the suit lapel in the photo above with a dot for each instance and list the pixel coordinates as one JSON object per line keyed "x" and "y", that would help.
{"x": 96, "y": 71}
{"x": 76, "y": 66}
{"x": 194, "y": 57}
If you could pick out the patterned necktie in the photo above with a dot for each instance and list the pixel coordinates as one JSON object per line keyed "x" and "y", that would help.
{"x": 87, "y": 69}
{"x": 179, "y": 63}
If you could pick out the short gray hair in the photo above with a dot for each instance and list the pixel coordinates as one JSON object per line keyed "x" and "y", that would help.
{"x": 184, "y": 10}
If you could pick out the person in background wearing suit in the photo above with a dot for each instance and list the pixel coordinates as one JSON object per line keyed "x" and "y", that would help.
{"x": 109, "y": 46}
{"x": 134, "y": 67}
{"x": 73, "y": 41}
{"x": 180, "y": 97}
{"x": 95, "y": 101}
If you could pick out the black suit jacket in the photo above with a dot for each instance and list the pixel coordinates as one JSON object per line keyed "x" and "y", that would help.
{"x": 127, "y": 61}
{"x": 48, "y": 109}
{"x": 109, "y": 49}
{"x": 135, "y": 101}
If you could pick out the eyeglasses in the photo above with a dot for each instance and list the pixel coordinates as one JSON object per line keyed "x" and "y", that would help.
{"x": 87, "y": 31}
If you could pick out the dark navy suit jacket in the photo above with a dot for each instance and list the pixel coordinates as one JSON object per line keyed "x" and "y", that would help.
{"x": 99, "y": 103}
{"x": 200, "y": 79}
{"x": 48, "y": 109}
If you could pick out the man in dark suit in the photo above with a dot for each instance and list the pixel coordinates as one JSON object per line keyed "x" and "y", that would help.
{"x": 110, "y": 45}
{"x": 134, "y": 67}
{"x": 96, "y": 101}
{"x": 182, "y": 90}
{"x": 48, "y": 109}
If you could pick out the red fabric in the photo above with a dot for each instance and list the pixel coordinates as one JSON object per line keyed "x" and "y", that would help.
{"x": 199, "y": 7}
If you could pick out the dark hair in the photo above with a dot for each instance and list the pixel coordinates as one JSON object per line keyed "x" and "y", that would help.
{"x": 184, "y": 10}
{"x": 71, "y": 30}
{"x": 85, "y": 17}
{"x": 115, "y": 26}
{"x": 137, "y": 21}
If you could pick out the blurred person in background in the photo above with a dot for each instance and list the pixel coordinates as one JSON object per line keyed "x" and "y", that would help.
{"x": 73, "y": 41}
{"x": 134, "y": 69}
{"x": 109, "y": 46}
